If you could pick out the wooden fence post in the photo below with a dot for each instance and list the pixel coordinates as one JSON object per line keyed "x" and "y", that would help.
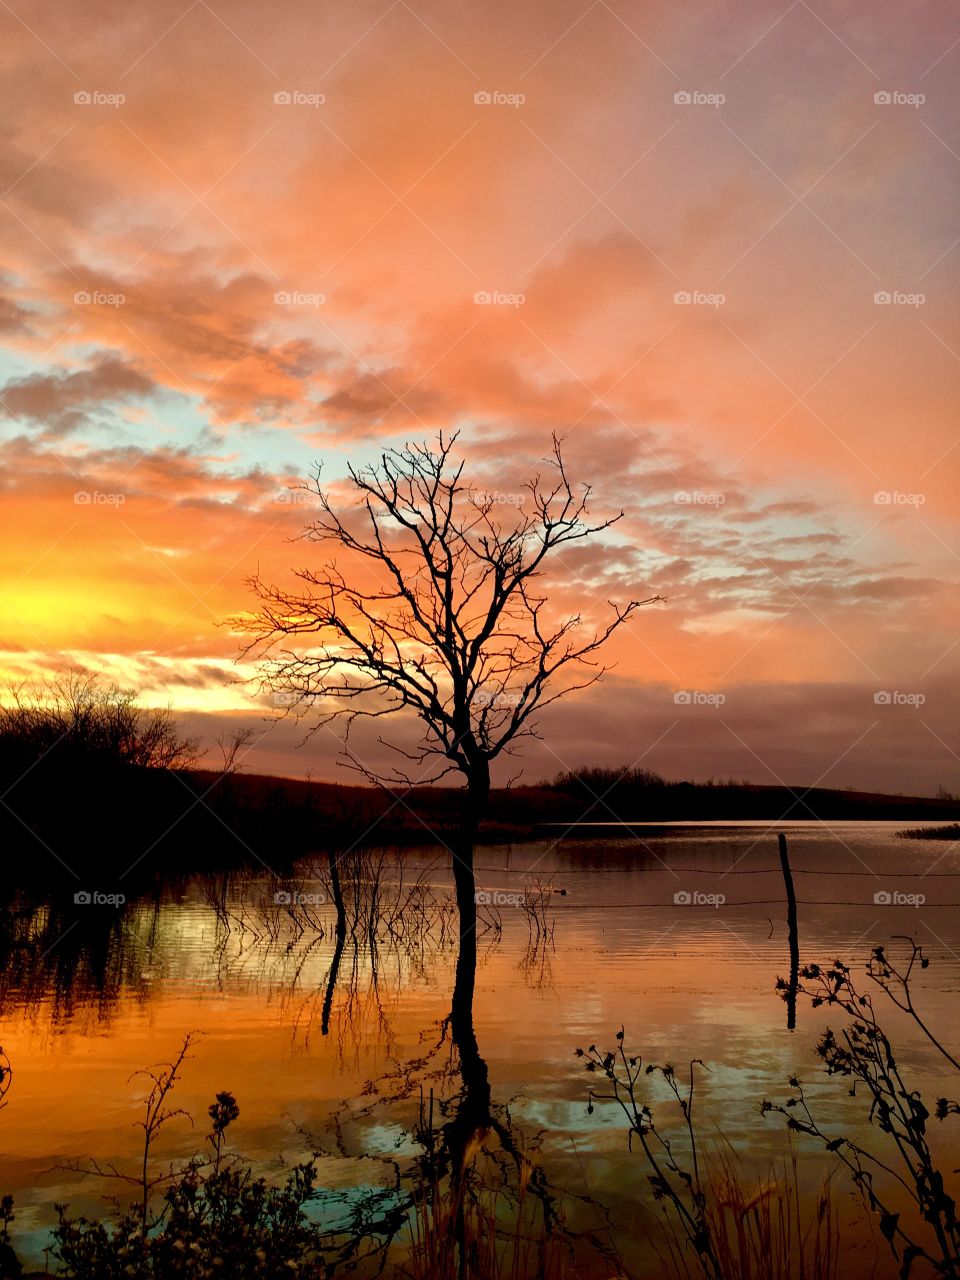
{"x": 792, "y": 933}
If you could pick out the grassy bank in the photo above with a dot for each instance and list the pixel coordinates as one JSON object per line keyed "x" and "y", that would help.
{"x": 951, "y": 832}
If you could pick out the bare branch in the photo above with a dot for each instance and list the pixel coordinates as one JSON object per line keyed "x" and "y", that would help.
{"x": 433, "y": 609}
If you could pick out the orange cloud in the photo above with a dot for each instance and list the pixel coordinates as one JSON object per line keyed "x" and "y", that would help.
{"x": 204, "y": 290}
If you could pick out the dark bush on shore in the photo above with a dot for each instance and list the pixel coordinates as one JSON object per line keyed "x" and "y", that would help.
{"x": 210, "y": 1217}
{"x": 77, "y": 722}
{"x": 221, "y": 1222}
{"x": 586, "y": 779}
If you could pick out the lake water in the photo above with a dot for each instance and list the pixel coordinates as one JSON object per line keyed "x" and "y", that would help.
{"x": 676, "y": 932}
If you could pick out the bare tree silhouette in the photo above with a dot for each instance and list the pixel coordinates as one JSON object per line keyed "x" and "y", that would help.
{"x": 435, "y": 612}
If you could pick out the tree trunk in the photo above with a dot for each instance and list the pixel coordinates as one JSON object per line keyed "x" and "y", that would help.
{"x": 471, "y": 1116}
{"x": 476, "y": 796}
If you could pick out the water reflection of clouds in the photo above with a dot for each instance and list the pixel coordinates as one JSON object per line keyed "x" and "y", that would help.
{"x": 88, "y": 1002}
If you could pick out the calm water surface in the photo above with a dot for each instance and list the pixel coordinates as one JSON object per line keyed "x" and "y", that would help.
{"x": 676, "y": 932}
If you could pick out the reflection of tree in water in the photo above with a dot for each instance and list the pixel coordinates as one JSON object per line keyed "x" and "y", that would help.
{"x": 373, "y": 927}
{"x": 536, "y": 963}
{"x": 463, "y": 1179}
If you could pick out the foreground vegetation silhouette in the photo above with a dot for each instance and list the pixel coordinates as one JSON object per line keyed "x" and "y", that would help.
{"x": 474, "y": 1201}
{"x": 733, "y": 1231}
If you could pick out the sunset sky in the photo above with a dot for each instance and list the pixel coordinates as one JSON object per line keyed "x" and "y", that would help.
{"x": 242, "y": 238}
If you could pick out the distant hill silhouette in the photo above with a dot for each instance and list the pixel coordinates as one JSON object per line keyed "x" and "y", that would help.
{"x": 101, "y": 816}
{"x": 92, "y": 779}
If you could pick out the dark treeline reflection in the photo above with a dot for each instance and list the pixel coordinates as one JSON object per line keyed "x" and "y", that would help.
{"x": 68, "y": 961}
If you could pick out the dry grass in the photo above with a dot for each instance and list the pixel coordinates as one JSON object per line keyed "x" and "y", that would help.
{"x": 474, "y": 1228}
{"x": 950, "y": 832}
{"x": 763, "y": 1228}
